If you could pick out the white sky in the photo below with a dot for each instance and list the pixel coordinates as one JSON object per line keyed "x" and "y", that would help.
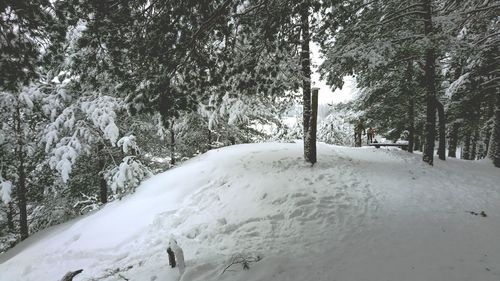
{"x": 325, "y": 93}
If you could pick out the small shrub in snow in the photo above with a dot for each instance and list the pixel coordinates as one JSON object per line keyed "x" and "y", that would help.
{"x": 127, "y": 176}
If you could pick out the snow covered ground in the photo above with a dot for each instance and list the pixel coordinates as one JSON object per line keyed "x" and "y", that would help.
{"x": 358, "y": 214}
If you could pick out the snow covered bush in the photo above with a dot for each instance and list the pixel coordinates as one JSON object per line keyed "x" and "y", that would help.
{"x": 127, "y": 176}
{"x": 336, "y": 130}
{"x": 337, "y": 127}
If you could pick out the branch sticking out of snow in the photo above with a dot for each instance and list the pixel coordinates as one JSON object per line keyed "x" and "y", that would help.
{"x": 243, "y": 260}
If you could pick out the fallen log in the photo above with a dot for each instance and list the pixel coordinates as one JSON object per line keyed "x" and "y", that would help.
{"x": 69, "y": 276}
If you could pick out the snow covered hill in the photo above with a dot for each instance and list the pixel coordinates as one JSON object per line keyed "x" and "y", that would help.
{"x": 358, "y": 214}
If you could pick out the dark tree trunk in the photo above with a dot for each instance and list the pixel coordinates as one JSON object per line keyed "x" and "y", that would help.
{"x": 489, "y": 129}
{"x": 430, "y": 87}
{"x": 172, "y": 143}
{"x": 209, "y": 141}
{"x": 103, "y": 187}
{"x": 21, "y": 185}
{"x": 306, "y": 79}
{"x": 496, "y": 160}
{"x": 473, "y": 150}
{"x": 452, "y": 148}
{"x": 466, "y": 148}
{"x": 417, "y": 143}
{"x": 442, "y": 131}
{"x": 486, "y": 141}
{"x": 313, "y": 123}
{"x": 411, "y": 107}
{"x": 10, "y": 217}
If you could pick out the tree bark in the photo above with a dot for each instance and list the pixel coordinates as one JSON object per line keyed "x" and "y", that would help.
{"x": 313, "y": 123}
{"x": 411, "y": 107}
{"x": 21, "y": 185}
{"x": 10, "y": 217}
{"x": 473, "y": 151}
{"x": 103, "y": 187}
{"x": 209, "y": 141}
{"x": 306, "y": 78}
{"x": 430, "y": 87}
{"x": 452, "y": 148}
{"x": 496, "y": 159}
{"x": 442, "y": 130}
{"x": 417, "y": 143}
{"x": 172, "y": 143}
{"x": 466, "y": 150}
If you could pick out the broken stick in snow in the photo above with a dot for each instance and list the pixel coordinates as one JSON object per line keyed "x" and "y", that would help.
{"x": 171, "y": 257}
{"x": 69, "y": 276}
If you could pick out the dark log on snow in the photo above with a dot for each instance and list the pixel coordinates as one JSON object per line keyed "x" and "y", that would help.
{"x": 171, "y": 257}
{"x": 70, "y": 275}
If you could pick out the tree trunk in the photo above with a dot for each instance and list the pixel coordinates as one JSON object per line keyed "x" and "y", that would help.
{"x": 491, "y": 145}
{"x": 411, "y": 107}
{"x": 496, "y": 159}
{"x": 313, "y": 126}
{"x": 430, "y": 87}
{"x": 489, "y": 129}
{"x": 466, "y": 148}
{"x": 417, "y": 143}
{"x": 473, "y": 151}
{"x": 10, "y": 217}
{"x": 103, "y": 187}
{"x": 209, "y": 141}
{"x": 306, "y": 79}
{"x": 452, "y": 148}
{"x": 172, "y": 143}
{"x": 21, "y": 185}
{"x": 442, "y": 130}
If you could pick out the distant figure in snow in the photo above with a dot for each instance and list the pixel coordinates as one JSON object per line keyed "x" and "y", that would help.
{"x": 370, "y": 135}
{"x": 358, "y": 131}
{"x": 175, "y": 255}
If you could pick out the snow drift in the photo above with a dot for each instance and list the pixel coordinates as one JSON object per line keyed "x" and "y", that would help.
{"x": 358, "y": 214}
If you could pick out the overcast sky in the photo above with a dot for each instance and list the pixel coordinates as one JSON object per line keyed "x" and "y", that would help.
{"x": 325, "y": 93}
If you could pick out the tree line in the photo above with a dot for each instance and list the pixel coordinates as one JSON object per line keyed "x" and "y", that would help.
{"x": 91, "y": 92}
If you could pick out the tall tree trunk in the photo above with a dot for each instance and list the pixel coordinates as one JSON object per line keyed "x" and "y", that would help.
{"x": 486, "y": 140}
{"x": 103, "y": 187}
{"x": 452, "y": 148}
{"x": 172, "y": 143}
{"x": 442, "y": 130}
{"x": 209, "y": 141}
{"x": 430, "y": 87}
{"x": 313, "y": 126}
{"x": 417, "y": 143}
{"x": 467, "y": 142}
{"x": 306, "y": 80}
{"x": 411, "y": 107}
{"x": 491, "y": 145}
{"x": 10, "y": 217}
{"x": 473, "y": 151}
{"x": 496, "y": 160}
{"x": 489, "y": 129}
{"x": 21, "y": 184}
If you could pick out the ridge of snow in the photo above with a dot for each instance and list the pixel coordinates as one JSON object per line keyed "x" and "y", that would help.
{"x": 358, "y": 214}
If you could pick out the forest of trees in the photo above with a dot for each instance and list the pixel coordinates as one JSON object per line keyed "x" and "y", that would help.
{"x": 95, "y": 95}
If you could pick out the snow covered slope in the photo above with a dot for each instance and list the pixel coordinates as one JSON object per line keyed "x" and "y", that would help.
{"x": 358, "y": 214}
